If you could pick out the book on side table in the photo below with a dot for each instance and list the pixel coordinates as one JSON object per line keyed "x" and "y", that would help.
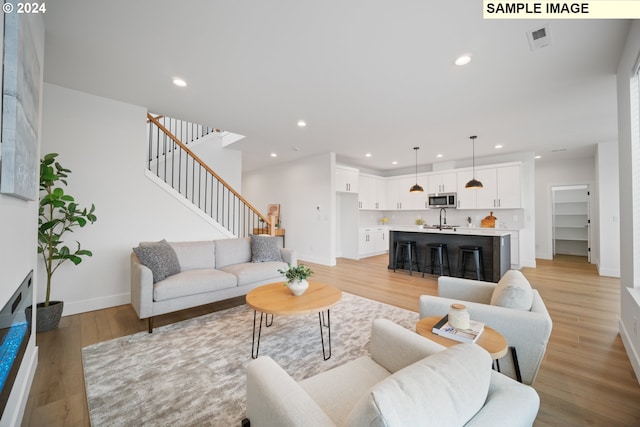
{"x": 443, "y": 328}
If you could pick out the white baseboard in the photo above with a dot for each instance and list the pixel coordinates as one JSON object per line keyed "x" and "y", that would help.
{"x": 608, "y": 272}
{"x": 317, "y": 260}
{"x": 96, "y": 304}
{"x": 634, "y": 358}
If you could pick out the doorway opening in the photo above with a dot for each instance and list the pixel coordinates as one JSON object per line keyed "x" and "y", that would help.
{"x": 571, "y": 222}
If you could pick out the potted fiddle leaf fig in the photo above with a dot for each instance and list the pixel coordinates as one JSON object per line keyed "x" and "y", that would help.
{"x": 58, "y": 215}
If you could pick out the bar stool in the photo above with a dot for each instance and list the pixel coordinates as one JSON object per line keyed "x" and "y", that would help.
{"x": 408, "y": 249}
{"x": 440, "y": 251}
{"x": 476, "y": 254}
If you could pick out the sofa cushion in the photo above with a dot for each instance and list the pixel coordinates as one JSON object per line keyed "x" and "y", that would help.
{"x": 265, "y": 248}
{"x": 250, "y": 272}
{"x": 192, "y": 282}
{"x": 232, "y": 251}
{"x": 513, "y": 291}
{"x": 159, "y": 257}
{"x": 349, "y": 381}
{"x": 193, "y": 255}
{"x": 445, "y": 389}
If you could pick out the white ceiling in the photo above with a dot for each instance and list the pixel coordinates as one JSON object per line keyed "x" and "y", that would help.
{"x": 368, "y": 76}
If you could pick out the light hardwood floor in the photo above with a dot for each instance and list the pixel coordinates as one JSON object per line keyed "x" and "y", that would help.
{"x": 586, "y": 378}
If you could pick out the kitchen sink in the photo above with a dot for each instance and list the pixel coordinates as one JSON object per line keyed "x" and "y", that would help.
{"x": 444, "y": 227}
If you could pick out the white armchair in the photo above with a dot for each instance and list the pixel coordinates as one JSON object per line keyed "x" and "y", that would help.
{"x": 407, "y": 380}
{"x": 526, "y": 330}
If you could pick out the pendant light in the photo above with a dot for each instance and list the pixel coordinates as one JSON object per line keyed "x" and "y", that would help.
{"x": 474, "y": 183}
{"x": 416, "y": 188}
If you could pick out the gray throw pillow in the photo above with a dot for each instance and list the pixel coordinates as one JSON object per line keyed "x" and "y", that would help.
{"x": 160, "y": 258}
{"x": 265, "y": 248}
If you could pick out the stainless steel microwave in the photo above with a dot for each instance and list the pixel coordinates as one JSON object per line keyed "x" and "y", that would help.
{"x": 443, "y": 200}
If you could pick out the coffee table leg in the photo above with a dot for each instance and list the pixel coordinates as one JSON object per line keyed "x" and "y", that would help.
{"x": 266, "y": 320}
{"x": 255, "y": 345}
{"x": 328, "y": 326}
{"x": 323, "y": 321}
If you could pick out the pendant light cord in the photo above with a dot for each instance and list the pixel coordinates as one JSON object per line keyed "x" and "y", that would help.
{"x": 473, "y": 158}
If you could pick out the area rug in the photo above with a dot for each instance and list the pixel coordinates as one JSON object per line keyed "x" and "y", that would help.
{"x": 192, "y": 373}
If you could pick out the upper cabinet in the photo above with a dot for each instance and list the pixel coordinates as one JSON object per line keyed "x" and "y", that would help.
{"x": 443, "y": 182}
{"x": 372, "y": 192}
{"x": 466, "y": 197}
{"x": 347, "y": 179}
{"x": 399, "y": 197}
{"x": 500, "y": 188}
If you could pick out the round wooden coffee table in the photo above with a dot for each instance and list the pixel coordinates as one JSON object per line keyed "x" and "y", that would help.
{"x": 276, "y": 298}
{"x": 490, "y": 339}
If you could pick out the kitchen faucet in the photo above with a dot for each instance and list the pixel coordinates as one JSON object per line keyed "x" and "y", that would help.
{"x": 445, "y": 217}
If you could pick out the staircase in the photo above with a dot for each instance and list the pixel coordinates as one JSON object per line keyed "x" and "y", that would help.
{"x": 176, "y": 165}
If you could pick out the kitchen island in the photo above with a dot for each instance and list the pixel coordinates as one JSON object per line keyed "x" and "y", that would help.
{"x": 495, "y": 244}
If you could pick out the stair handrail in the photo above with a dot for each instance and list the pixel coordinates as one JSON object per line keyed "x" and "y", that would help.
{"x": 208, "y": 169}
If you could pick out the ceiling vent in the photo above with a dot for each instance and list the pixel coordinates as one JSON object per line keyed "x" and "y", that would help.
{"x": 539, "y": 38}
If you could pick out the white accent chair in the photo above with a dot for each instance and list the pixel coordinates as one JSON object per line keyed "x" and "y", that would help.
{"x": 407, "y": 381}
{"x": 510, "y": 306}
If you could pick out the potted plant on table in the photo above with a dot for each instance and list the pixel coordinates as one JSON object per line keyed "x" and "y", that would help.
{"x": 297, "y": 278}
{"x": 58, "y": 215}
{"x": 420, "y": 223}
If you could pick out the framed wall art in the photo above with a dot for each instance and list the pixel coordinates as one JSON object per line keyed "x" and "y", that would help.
{"x": 20, "y": 109}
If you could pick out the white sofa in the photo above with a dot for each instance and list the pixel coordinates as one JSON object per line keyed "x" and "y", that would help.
{"x": 208, "y": 271}
{"x": 510, "y": 306}
{"x": 407, "y": 381}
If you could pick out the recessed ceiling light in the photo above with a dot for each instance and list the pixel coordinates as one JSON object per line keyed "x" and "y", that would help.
{"x": 537, "y": 157}
{"x": 179, "y": 82}
{"x": 394, "y": 163}
{"x": 302, "y": 123}
{"x": 463, "y": 60}
{"x": 497, "y": 146}
{"x": 439, "y": 155}
{"x": 274, "y": 155}
{"x": 368, "y": 155}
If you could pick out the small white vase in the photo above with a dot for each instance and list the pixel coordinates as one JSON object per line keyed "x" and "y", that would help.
{"x": 298, "y": 287}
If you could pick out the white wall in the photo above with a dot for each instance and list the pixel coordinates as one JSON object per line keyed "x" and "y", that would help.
{"x": 103, "y": 142}
{"x": 548, "y": 174}
{"x": 304, "y": 190}
{"x": 18, "y": 242}
{"x": 225, "y": 162}
{"x": 630, "y": 292}
{"x": 606, "y": 242}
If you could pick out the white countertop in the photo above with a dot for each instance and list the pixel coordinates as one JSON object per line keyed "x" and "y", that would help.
{"x": 459, "y": 230}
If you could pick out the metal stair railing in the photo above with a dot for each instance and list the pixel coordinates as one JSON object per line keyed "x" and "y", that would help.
{"x": 173, "y": 162}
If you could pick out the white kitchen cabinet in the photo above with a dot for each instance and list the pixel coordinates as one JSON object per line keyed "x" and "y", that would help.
{"x": 443, "y": 182}
{"x": 500, "y": 188}
{"x": 373, "y": 241}
{"x": 347, "y": 179}
{"x": 371, "y": 192}
{"x": 399, "y": 197}
{"x": 466, "y": 196}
